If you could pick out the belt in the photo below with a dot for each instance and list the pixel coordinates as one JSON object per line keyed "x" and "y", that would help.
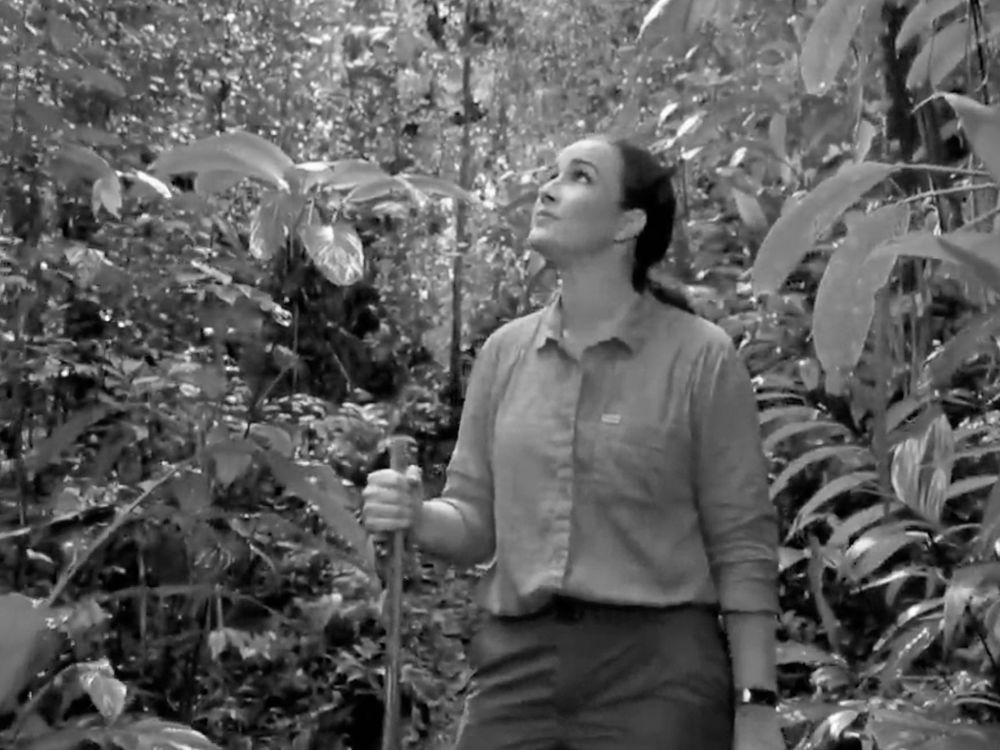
{"x": 569, "y": 609}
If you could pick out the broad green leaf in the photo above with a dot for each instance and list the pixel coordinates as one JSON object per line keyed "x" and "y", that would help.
{"x": 107, "y": 193}
{"x": 274, "y": 438}
{"x": 673, "y": 22}
{"x": 212, "y": 183}
{"x": 827, "y": 41}
{"x": 854, "y": 482}
{"x": 156, "y": 734}
{"x": 268, "y": 226}
{"x": 988, "y": 538}
{"x": 795, "y": 231}
{"x": 380, "y": 189}
{"x": 846, "y": 530}
{"x": 74, "y": 162}
{"x": 307, "y": 175}
{"x": 350, "y": 174}
{"x": 237, "y": 152}
{"x": 784, "y": 413}
{"x": 966, "y": 583}
{"x": 845, "y": 299}
{"x": 906, "y": 649}
{"x": 945, "y": 51}
{"x": 922, "y": 17}
{"x": 319, "y": 486}
{"x": 787, "y": 431}
{"x": 21, "y": 627}
{"x": 106, "y": 691}
{"x": 873, "y": 548}
{"x": 336, "y": 250}
{"x": 793, "y": 652}
{"x": 982, "y": 125}
{"x": 851, "y": 454}
{"x": 974, "y": 250}
{"x": 232, "y": 459}
{"x": 966, "y": 485}
{"x": 435, "y": 186}
{"x": 749, "y": 209}
{"x": 920, "y": 610}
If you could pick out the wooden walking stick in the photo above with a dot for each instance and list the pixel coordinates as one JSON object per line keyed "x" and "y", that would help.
{"x": 399, "y": 460}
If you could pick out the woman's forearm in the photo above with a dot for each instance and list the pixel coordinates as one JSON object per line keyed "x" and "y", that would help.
{"x": 454, "y": 531}
{"x": 752, "y": 647}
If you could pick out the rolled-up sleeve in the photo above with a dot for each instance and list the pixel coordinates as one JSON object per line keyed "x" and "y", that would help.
{"x": 739, "y": 521}
{"x": 469, "y": 479}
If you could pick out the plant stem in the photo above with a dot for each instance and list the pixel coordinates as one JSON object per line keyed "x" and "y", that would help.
{"x": 104, "y": 536}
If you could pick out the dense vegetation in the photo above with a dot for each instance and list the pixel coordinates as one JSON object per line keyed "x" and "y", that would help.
{"x": 243, "y": 242}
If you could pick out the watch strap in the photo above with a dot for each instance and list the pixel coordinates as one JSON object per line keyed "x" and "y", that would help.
{"x": 753, "y": 696}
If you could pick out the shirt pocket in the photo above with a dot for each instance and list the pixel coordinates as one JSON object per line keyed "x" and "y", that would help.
{"x": 641, "y": 460}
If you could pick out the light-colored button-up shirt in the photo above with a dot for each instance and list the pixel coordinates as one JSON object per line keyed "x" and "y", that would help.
{"x": 632, "y": 475}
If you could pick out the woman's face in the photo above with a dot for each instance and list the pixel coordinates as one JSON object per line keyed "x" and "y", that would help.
{"x": 578, "y": 212}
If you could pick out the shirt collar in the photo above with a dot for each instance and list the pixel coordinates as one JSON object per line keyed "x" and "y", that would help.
{"x": 632, "y": 328}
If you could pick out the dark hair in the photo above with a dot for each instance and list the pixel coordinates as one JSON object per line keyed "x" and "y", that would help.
{"x": 646, "y": 185}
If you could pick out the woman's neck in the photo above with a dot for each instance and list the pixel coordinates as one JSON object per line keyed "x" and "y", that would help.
{"x": 592, "y": 300}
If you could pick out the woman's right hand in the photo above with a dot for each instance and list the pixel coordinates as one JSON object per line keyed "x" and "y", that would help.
{"x": 392, "y": 500}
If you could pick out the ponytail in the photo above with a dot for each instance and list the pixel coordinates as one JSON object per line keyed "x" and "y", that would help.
{"x": 647, "y": 186}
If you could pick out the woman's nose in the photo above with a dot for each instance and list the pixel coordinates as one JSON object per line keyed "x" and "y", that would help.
{"x": 545, "y": 193}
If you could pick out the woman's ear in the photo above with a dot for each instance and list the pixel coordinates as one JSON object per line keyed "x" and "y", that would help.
{"x": 632, "y": 223}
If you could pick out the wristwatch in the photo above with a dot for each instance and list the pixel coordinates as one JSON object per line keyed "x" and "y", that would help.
{"x": 753, "y": 696}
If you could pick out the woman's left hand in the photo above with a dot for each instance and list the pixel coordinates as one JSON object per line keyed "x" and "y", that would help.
{"x": 757, "y": 728}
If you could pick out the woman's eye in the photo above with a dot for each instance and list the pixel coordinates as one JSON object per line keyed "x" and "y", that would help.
{"x": 580, "y": 174}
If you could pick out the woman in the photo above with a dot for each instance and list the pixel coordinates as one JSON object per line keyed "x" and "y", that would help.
{"x": 608, "y": 464}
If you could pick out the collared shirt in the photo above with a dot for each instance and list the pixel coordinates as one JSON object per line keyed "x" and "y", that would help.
{"x": 632, "y": 475}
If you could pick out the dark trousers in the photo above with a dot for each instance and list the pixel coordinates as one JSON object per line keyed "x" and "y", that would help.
{"x": 584, "y": 677}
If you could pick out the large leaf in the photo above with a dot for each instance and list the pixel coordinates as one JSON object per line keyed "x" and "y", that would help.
{"x": 349, "y": 174}
{"x": 795, "y": 231}
{"x": 873, "y": 548}
{"x": 74, "y": 162}
{"x": 21, "y": 626}
{"x": 974, "y": 250}
{"x": 336, "y": 250}
{"x": 107, "y": 692}
{"x": 845, "y": 300}
{"x": 982, "y": 126}
{"x": 156, "y": 734}
{"x": 435, "y": 186}
{"x": 319, "y": 486}
{"x": 268, "y": 226}
{"x": 946, "y": 50}
{"x": 988, "y": 538}
{"x": 853, "y": 482}
{"x": 107, "y": 194}
{"x": 238, "y": 152}
{"x": 827, "y": 41}
{"x": 964, "y": 585}
{"x": 673, "y": 22}
{"x": 381, "y": 189}
{"x": 923, "y": 15}
{"x": 852, "y": 454}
